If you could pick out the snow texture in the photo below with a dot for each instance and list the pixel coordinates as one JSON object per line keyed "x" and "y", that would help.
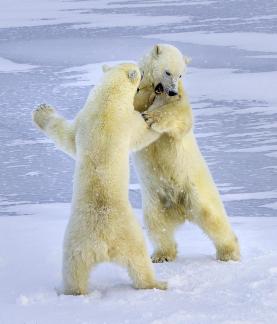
{"x": 201, "y": 289}
{"x": 7, "y": 66}
{"x": 52, "y": 51}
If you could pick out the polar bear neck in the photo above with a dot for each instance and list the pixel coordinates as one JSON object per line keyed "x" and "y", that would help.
{"x": 108, "y": 94}
{"x": 114, "y": 92}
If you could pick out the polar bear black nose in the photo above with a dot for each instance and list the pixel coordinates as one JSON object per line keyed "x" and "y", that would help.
{"x": 172, "y": 93}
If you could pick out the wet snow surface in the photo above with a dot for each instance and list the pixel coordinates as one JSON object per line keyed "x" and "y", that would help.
{"x": 52, "y": 51}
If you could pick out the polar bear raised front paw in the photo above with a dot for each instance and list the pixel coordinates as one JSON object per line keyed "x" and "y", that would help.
{"x": 153, "y": 120}
{"x": 42, "y": 114}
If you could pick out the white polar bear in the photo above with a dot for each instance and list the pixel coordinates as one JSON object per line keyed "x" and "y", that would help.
{"x": 102, "y": 226}
{"x": 175, "y": 180}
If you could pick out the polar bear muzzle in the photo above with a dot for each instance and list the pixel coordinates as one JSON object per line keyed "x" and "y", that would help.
{"x": 172, "y": 93}
{"x": 160, "y": 89}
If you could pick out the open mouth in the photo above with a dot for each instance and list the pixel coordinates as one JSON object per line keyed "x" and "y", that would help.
{"x": 159, "y": 88}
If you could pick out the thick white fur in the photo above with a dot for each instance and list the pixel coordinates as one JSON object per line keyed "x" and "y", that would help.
{"x": 102, "y": 226}
{"x": 175, "y": 180}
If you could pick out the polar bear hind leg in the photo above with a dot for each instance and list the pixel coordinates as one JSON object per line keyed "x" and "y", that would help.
{"x": 141, "y": 271}
{"x": 214, "y": 222}
{"x": 79, "y": 258}
{"x": 162, "y": 222}
{"x": 76, "y": 270}
{"x": 133, "y": 255}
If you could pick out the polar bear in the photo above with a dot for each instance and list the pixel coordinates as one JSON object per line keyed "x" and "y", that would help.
{"x": 175, "y": 180}
{"x": 102, "y": 226}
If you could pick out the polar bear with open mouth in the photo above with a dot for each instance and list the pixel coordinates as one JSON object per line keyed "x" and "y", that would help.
{"x": 175, "y": 179}
{"x": 102, "y": 225}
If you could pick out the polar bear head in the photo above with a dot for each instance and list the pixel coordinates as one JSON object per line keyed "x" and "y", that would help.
{"x": 163, "y": 67}
{"x": 117, "y": 76}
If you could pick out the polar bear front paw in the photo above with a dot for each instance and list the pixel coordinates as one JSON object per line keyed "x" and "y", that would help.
{"x": 42, "y": 114}
{"x": 147, "y": 118}
{"x": 153, "y": 120}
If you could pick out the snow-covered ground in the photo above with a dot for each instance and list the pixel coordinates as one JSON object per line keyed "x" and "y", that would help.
{"x": 201, "y": 289}
{"x": 52, "y": 51}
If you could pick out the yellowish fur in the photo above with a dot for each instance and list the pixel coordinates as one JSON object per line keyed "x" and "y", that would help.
{"x": 175, "y": 180}
{"x": 102, "y": 225}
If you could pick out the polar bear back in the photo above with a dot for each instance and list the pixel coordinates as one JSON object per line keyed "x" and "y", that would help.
{"x": 103, "y": 132}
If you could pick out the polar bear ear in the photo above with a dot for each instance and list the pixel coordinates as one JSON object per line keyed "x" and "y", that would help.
{"x": 157, "y": 50}
{"x": 133, "y": 75}
{"x": 187, "y": 59}
{"x": 106, "y": 68}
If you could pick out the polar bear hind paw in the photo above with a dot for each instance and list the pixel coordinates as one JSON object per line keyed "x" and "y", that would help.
{"x": 160, "y": 257}
{"x": 228, "y": 253}
{"x": 162, "y": 285}
{"x": 42, "y": 114}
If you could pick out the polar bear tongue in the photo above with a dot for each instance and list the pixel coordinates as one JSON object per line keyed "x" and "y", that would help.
{"x": 159, "y": 88}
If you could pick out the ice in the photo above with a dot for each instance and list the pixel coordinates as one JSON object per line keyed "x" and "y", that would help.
{"x": 228, "y": 84}
{"x": 32, "y": 174}
{"x": 8, "y": 66}
{"x": 52, "y": 51}
{"x": 81, "y": 14}
{"x": 86, "y": 75}
{"x": 249, "y": 195}
{"x": 273, "y": 205}
{"x": 259, "y": 42}
{"x": 28, "y": 142}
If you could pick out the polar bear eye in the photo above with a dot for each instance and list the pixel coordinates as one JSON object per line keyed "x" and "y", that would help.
{"x": 167, "y": 73}
{"x": 180, "y": 75}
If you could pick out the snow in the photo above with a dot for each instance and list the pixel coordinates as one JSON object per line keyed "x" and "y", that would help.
{"x": 249, "y": 195}
{"x": 52, "y": 51}
{"x": 201, "y": 289}
{"x": 260, "y": 42}
{"x": 273, "y": 205}
{"x": 29, "y": 142}
{"x": 86, "y": 75}
{"x": 8, "y": 66}
{"x": 81, "y": 14}
{"x": 227, "y": 83}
